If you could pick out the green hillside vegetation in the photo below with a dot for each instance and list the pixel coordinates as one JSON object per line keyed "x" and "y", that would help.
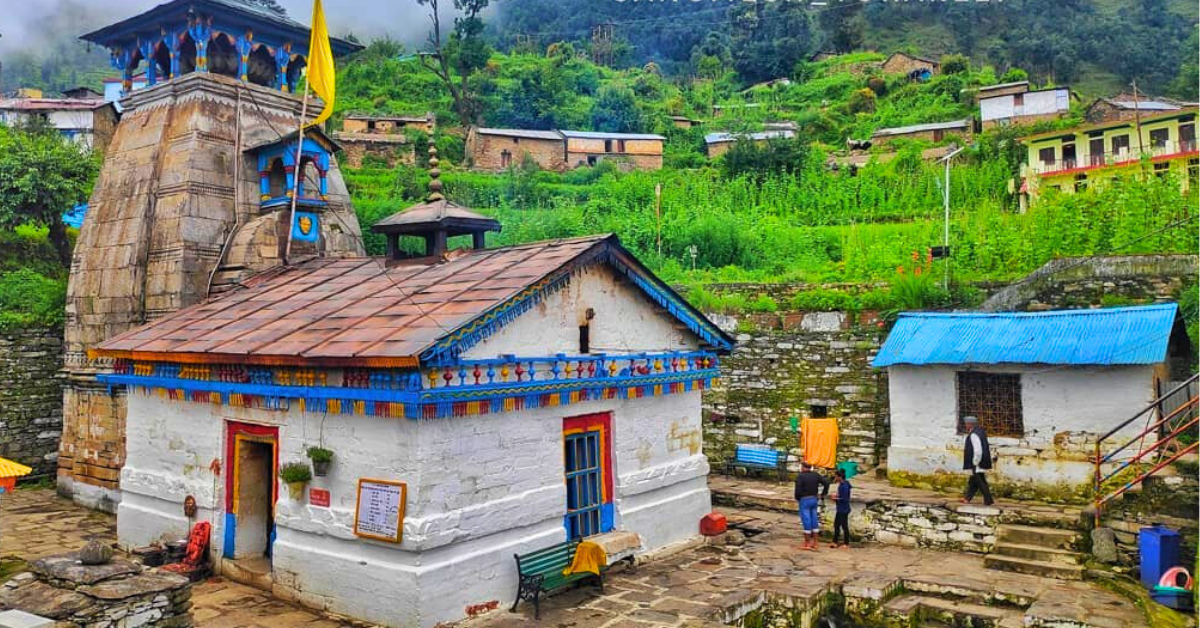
{"x": 772, "y": 214}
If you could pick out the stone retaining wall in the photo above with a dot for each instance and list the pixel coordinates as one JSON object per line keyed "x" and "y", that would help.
{"x": 968, "y": 528}
{"x": 31, "y": 401}
{"x": 797, "y": 364}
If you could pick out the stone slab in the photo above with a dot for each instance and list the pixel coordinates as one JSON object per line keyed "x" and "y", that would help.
{"x": 21, "y": 619}
{"x": 134, "y": 586}
{"x": 39, "y": 598}
{"x": 67, "y": 567}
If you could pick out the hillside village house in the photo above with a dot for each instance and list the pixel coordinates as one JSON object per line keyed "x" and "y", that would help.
{"x": 498, "y": 149}
{"x": 1045, "y": 386}
{"x": 717, "y": 144}
{"x": 639, "y": 151}
{"x": 1073, "y": 159}
{"x": 381, "y": 137}
{"x": 1016, "y": 104}
{"x": 89, "y": 122}
{"x": 388, "y": 124}
{"x": 478, "y": 403}
{"x": 1128, "y": 107}
{"x": 911, "y": 65}
{"x": 931, "y": 132}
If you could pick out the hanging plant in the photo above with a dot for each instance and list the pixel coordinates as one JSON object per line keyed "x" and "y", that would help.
{"x": 321, "y": 459}
{"x": 295, "y": 475}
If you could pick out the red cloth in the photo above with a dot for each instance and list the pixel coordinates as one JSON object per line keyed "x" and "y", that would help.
{"x": 197, "y": 547}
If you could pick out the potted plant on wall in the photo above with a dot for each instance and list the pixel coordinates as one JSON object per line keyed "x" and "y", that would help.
{"x": 321, "y": 458}
{"x": 295, "y": 475}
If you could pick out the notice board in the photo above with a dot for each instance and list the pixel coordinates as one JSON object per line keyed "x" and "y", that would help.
{"x": 379, "y": 512}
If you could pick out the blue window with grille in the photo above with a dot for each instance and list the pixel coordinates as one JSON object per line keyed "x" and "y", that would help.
{"x": 586, "y": 512}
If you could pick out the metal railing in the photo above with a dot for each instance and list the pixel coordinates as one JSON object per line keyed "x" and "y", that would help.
{"x": 1113, "y": 158}
{"x": 1165, "y": 430}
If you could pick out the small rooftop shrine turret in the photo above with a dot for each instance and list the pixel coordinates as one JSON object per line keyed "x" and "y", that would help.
{"x": 436, "y": 220}
{"x": 229, "y": 37}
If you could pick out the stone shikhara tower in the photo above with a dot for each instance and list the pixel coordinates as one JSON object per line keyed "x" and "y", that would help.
{"x": 194, "y": 196}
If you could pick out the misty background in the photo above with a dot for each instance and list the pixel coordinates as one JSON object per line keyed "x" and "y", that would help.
{"x": 40, "y": 46}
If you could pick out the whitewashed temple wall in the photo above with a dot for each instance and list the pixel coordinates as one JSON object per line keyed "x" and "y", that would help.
{"x": 1065, "y": 410}
{"x": 625, "y": 321}
{"x": 480, "y": 489}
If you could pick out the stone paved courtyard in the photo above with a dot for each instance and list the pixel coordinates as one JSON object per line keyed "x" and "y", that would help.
{"x": 701, "y": 586}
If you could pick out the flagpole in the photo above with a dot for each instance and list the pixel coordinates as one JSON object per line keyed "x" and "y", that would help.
{"x": 299, "y": 172}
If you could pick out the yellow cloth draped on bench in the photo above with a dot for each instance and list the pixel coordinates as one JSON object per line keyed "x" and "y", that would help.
{"x": 819, "y": 439}
{"x": 589, "y": 557}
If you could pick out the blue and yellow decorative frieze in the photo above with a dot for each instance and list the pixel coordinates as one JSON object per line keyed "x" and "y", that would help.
{"x": 503, "y": 384}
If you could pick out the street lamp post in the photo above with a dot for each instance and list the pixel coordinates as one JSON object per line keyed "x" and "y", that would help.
{"x": 946, "y": 210}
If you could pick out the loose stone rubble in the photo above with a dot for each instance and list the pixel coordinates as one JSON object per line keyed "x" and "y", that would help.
{"x": 119, "y": 594}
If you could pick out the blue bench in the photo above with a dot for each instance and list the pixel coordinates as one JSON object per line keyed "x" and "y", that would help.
{"x": 753, "y": 458}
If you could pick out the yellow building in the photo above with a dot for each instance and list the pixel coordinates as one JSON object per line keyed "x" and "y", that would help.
{"x": 1072, "y": 159}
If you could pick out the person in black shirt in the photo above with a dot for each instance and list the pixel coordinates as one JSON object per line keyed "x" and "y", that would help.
{"x": 841, "y": 517}
{"x": 977, "y": 458}
{"x": 808, "y": 484}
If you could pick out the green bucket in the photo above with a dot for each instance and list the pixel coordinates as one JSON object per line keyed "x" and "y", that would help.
{"x": 850, "y": 467}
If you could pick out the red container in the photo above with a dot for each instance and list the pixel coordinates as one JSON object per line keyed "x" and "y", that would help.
{"x": 713, "y": 524}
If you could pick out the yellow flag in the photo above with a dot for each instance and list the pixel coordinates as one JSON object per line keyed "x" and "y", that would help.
{"x": 320, "y": 64}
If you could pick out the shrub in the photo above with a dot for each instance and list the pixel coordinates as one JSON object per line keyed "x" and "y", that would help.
{"x": 319, "y": 454}
{"x": 955, "y": 64}
{"x": 862, "y": 101}
{"x": 823, "y": 300}
{"x": 293, "y": 472}
{"x": 763, "y": 303}
{"x": 30, "y": 299}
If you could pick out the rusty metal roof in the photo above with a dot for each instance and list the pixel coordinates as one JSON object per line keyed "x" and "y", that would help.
{"x": 433, "y": 213}
{"x": 349, "y": 311}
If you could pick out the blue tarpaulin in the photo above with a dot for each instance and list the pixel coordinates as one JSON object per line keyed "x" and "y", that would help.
{"x": 74, "y": 217}
{"x": 1109, "y": 336}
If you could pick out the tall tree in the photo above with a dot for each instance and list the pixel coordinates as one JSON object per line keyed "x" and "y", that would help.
{"x": 770, "y": 38}
{"x": 42, "y": 175}
{"x": 458, "y": 58}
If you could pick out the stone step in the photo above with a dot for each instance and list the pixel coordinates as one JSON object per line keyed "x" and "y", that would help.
{"x": 1033, "y": 567}
{"x": 1030, "y": 535}
{"x": 254, "y": 572}
{"x": 953, "y": 588}
{"x": 1036, "y": 552}
{"x": 933, "y": 610}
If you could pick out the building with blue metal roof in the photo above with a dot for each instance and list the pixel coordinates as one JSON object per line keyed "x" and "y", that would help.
{"x": 1044, "y": 385}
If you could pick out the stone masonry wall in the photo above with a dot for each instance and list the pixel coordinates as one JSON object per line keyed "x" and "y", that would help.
{"x": 796, "y": 364}
{"x": 31, "y": 402}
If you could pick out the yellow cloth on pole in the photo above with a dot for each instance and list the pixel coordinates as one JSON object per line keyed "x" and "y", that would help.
{"x": 819, "y": 439}
{"x": 321, "y": 75}
{"x": 589, "y": 557}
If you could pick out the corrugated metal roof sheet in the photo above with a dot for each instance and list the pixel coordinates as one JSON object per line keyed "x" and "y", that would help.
{"x": 717, "y": 138}
{"x": 1122, "y": 335}
{"x": 917, "y": 128}
{"x": 529, "y": 133}
{"x": 597, "y": 135}
{"x": 360, "y": 311}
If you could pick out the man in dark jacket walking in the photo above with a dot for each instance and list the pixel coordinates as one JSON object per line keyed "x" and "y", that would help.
{"x": 808, "y": 484}
{"x": 977, "y": 458}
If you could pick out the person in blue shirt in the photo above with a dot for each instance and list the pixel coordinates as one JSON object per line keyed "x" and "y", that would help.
{"x": 841, "y": 517}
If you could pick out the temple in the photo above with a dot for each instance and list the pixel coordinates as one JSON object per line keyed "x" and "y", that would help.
{"x": 193, "y": 199}
{"x": 475, "y": 403}
{"x": 227, "y": 37}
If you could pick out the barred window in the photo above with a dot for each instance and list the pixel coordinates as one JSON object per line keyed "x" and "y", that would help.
{"x": 993, "y": 398}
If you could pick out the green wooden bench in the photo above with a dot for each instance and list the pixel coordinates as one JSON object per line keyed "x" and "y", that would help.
{"x": 541, "y": 571}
